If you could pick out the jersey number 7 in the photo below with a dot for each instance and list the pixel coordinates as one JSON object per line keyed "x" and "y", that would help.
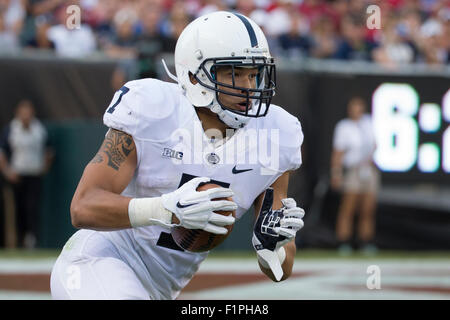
{"x": 122, "y": 90}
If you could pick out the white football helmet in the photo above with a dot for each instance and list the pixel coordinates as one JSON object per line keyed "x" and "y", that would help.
{"x": 225, "y": 39}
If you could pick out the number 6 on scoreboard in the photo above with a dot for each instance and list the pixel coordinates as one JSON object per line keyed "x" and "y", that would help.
{"x": 396, "y": 131}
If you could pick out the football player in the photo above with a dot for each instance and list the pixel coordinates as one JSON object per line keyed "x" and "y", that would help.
{"x": 143, "y": 180}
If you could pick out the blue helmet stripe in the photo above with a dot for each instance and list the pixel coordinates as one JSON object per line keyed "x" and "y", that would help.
{"x": 250, "y": 30}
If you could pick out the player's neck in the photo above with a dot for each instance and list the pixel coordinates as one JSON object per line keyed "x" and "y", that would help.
{"x": 210, "y": 120}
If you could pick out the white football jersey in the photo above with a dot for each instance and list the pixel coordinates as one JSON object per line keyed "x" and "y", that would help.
{"x": 173, "y": 148}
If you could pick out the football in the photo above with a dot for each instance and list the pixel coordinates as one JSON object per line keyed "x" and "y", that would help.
{"x": 196, "y": 240}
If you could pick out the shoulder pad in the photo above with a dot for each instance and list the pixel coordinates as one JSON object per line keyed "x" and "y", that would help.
{"x": 145, "y": 109}
{"x": 289, "y": 138}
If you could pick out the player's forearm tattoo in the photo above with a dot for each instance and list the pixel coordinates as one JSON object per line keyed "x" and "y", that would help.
{"x": 117, "y": 146}
{"x": 97, "y": 159}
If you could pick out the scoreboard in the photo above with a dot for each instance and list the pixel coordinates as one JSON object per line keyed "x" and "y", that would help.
{"x": 411, "y": 114}
{"x": 412, "y": 135}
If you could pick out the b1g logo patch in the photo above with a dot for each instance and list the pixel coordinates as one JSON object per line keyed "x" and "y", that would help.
{"x": 170, "y": 153}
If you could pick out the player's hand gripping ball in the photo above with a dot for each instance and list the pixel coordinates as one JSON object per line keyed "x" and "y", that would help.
{"x": 196, "y": 240}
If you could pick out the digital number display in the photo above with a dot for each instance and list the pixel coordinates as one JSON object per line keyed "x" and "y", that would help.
{"x": 402, "y": 123}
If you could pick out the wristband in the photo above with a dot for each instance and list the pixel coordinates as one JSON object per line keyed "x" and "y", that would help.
{"x": 148, "y": 211}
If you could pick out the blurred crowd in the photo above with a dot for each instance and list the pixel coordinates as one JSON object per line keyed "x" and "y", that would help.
{"x": 410, "y": 31}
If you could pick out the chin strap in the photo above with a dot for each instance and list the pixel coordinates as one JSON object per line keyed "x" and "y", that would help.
{"x": 227, "y": 117}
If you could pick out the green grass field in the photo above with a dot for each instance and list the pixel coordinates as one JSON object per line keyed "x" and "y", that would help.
{"x": 301, "y": 254}
{"x": 225, "y": 275}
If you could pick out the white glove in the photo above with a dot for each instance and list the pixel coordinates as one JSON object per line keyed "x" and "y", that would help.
{"x": 291, "y": 222}
{"x": 274, "y": 229}
{"x": 195, "y": 208}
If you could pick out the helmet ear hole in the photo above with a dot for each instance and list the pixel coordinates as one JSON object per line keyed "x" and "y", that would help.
{"x": 192, "y": 78}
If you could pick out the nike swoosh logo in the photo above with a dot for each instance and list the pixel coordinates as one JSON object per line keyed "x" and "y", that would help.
{"x": 235, "y": 171}
{"x": 179, "y": 205}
